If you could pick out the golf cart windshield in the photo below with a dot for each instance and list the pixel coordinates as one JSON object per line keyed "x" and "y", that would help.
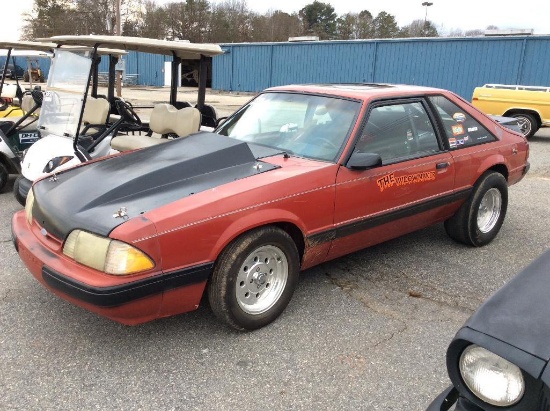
{"x": 67, "y": 82}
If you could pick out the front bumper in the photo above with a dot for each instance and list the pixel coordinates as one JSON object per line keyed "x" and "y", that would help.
{"x": 129, "y": 300}
{"x": 450, "y": 397}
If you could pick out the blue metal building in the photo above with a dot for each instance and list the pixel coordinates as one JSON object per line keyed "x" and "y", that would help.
{"x": 457, "y": 64}
{"x": 147, "y": 68}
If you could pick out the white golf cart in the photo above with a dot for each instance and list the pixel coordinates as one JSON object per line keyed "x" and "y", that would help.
{"x": 19, "y": 108}
{"x": 66, "y": 137}
{"x": 73, "y": 72}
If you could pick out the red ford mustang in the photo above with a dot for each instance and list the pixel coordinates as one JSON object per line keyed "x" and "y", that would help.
{"x": 298, "y": 176}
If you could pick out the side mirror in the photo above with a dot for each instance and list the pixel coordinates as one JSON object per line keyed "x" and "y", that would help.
{"x": 364, "y": 161}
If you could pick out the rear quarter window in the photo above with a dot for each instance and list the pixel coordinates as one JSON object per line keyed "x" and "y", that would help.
{"x": 461, "y": 129}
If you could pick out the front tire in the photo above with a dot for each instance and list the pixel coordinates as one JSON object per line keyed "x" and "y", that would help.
{"x": 16, "y": 193}
{"x": 254, "y": 278}
{"x": 4, "y": 175}
{"x": 527, "y": 124}
{"x": 478, "y": 220}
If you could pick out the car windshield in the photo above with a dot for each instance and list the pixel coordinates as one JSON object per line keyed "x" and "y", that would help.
{"x": 66, "y": 87}
{"x": 304, "y": 125}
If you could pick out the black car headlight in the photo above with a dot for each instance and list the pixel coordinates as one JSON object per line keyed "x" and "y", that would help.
{"x": 56, "y": 162}
{"x": 490, "y": 377}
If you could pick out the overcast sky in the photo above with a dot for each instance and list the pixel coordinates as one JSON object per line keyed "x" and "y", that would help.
{"x": 445, "y": 14}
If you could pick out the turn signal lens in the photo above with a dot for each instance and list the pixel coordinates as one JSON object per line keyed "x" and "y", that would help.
{"x": 104, "y": 254}
{"x": 123, "y": 259}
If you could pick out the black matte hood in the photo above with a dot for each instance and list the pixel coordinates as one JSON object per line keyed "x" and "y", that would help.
{"x": 519, "y": 313}
{"x": 88, "y": 197}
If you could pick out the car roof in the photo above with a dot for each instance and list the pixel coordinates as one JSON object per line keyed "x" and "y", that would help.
{"x": 182, "y": 49}
{"x": 359, "y": 90}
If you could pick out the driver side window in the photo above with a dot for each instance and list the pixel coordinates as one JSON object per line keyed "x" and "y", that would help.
{"x": 397, "y": 132}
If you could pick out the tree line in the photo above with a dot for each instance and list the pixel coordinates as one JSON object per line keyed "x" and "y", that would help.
{"x": 201, "y": 21}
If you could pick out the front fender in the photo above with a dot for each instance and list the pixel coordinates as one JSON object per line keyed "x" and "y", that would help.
{"x": 520, "y": 110}
{"x": 44, "y": 150}
{"x": 254, "y": 220}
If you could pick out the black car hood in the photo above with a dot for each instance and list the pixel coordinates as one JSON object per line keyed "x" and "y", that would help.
{"x": 519, "y": 313}
{"x": 90, "y": 197}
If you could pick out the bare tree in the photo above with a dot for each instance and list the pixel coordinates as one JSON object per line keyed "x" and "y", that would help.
{"x": 346, "y": 26}
{"x": 152, "y": 21}
{"x": 419, "y": 28}
{"x": 49, "y": 18}
{"x": 473, "y": 33}
{"x": 230, "y": 22}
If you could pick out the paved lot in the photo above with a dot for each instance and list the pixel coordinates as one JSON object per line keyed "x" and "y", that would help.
{"x": 368, "y": 331}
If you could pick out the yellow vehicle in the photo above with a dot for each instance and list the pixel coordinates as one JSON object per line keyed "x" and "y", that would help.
{"x": 8, "y": 93}
{"x": 11, "y": 94}
{"x": 529, "y": 104}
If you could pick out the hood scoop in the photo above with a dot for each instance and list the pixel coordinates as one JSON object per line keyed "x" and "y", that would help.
{"x": 102, "y": 195}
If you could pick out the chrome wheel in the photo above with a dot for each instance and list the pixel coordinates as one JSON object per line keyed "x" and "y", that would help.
{"x": 261, "y": 279}
{"x": 524, "y": 125}
{"x": 528, "y": 125}
{"x": 489, "y": 210}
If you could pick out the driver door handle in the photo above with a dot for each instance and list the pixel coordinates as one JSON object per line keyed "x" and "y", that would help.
{"x": 441, "y": 166}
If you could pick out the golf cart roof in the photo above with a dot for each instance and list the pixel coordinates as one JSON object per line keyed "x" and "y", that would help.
{"x": 181, "y": 49}
{"x": 28, "y": 45}
{"x": 41, "y": 48}
{"x": 101, "y": 51}
{"x": 25, "y": 53}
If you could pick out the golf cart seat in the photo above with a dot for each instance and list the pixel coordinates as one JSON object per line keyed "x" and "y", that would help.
{"x": 95, "y": 115}
{"x": 9, "y": 91}
{"x": 165, "y": 120}
{"x": 30, "y": 106}
{"x": 8, "y": 107}
{"x": 27, "y": 104}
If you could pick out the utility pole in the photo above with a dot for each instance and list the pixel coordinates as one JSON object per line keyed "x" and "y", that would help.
{"x": 426, "y": 4}
{"x": 118, "y": 32}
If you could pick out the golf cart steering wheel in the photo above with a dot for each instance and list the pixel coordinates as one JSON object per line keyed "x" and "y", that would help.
{"x": 127, "y": 112}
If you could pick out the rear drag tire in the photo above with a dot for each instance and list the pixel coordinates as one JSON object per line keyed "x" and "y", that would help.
{"x": 478, "y": 220}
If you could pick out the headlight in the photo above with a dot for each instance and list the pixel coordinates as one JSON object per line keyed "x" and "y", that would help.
{"x": 490, "y": 377}
{"x": 28, "y": 206}
{"x": 104, "y": 254}
{"x": 56, "y": 162}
